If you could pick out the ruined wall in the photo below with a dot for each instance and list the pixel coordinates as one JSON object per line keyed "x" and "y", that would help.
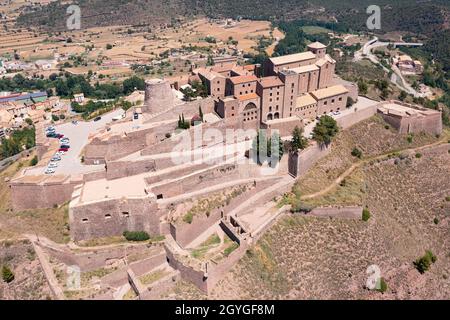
{"x": 187, "y": 272}
{"x": 113, "y": 217}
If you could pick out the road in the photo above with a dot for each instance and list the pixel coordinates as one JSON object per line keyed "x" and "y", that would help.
{"x": 78, "y": 134}
{"x": 397, "y": 78}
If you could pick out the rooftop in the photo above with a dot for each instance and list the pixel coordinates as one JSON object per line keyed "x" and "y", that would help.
{"x": 404, "y": 111}
{"x": 308, "y": 55}
{"x": 249, "y": 96}
{"x": 317, "y": 45}
{"x": 305, "y": 100}
{"x": 329, "y": 92}
{"x": 272, "y": 81}
{"x": 308, "y": 68}
{"x": 243, "y": 79}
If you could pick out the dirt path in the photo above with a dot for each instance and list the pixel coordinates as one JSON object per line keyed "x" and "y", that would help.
{"x": 349, "y": 171}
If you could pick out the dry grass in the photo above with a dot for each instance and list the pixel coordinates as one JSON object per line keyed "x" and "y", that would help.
{"x": 323, "y": 258}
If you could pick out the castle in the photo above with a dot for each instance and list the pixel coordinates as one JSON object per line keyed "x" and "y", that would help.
{"x": 295, "y": 88}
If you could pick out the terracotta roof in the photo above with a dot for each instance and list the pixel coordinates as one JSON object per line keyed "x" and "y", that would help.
{"x": 272, "y": 81}
{"x": 308, "y": 68}
{"x": 293, "y": 58}
{"x": 329, "y": 92}
{"x": 243, "y": 79}
{"x": 316, "y": 45}
{"x": 248, "y": 96}
{"x": 305, "y": 100}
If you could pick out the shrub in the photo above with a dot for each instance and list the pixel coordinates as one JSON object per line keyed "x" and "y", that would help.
{"x": 365, "y": 214}
{"x": 34, "y": 161}
{"x": 418, "y": 155}
{"x": 447, "y": 198}
{"x": 7, "y": 274}
{"x": 356, "y": 153}
{"x": 409, "y": 138}
{"x": 423, "y": 263}
{"x": 386, "y": 127}
{"x": 188, "y": 217}
{"x": 136, "y": 235}
{"x": 382, "y": 286}
{"x": 436, "y": 220}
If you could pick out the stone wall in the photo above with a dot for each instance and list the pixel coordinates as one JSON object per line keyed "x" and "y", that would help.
{"x": 120, "y": 169}
{"x": 300, "y": 162}
{"x": 112, "y": 217}
{"x": 347, "y": 120}
{"x": 26, "y": 194}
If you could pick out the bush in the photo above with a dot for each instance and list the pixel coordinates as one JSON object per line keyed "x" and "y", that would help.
{"x": 365, "y": 214}
{"x": 136, "y": 235}
{"x": 188, "y": 217}
{"x": 447, "y": 198}
{"x": 34, "y": 161}
{"x": 409, "y": 138}
{"x": 382, "y": 286}
{"x": 418, "y": 155}
{"x": 7, "y": 274}
{"x": 356, "y": 153}
{"x": 230, "y": 249}
{"x": 423, "y": 263}
{"x": 436, "y": 220}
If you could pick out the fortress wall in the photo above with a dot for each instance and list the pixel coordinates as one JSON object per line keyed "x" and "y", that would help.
{"x": 219, "y": 270}
{"x": 348, "y": 120}
{"x": 92, "y": 176}
{"x": 112, "y": 217}
{"x": 26, "y": 196}
{"x": 350, "y": 212}
{"x": 187, "y": 272}
{"x": 120, "y": 169}
{"x": 188, "y": 109}
{"x": 300, "y": 162}
{"x": 198, "y": 181}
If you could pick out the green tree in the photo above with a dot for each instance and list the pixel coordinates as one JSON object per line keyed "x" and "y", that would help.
{"x": 298, "y": 140}
{"x": 423, "y": 263}
{"x": 365, "y": 214}
{"x": 325, "y": 130}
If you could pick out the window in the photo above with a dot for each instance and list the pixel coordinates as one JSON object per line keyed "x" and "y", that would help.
{"x": 85, "y": 220}
{"x": 159, "y": 196}
{"x": 340, "y": 99}
{"x": 332, "y": 100}
{"x": 107, "y": 216}
{"x": 125, "y": 214}
{"x": 325, "y": 103}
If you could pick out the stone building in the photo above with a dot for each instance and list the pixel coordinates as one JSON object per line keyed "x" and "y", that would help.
{"x": 296, "y": 87}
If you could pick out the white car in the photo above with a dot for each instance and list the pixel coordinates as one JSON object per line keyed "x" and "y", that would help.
{"x": 55, "y": 159}
{"x": 53, "y": 165}
{"x": 59, "y": 153}
{"x": 336, "y": 113}
{"x": 64, "y": 140}
{"x": 49, "y": 171}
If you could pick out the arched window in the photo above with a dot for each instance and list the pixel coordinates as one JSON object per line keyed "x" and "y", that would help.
{"x": 276, "y": 115}
{"x": 269, "y": 116}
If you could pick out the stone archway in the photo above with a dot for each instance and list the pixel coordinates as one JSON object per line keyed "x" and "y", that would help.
{"x": 269, "y": 116}
{"x": 276, "y": 115}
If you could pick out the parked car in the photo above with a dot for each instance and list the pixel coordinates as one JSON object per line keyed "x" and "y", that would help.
{"x": 63, "y": 150}
{"x": 136, "y": 116}
{"x": 59, "y": 136}
{"x": 64, "y": 140}
{"x": 53, "y": 165}
{"x": 98, "y": 119}
{"x": 51, "y": 135}
{"x": 337, "y": 113}
{"x": 75, "y": 122}
{"x": 56, "y": 158}
{"x": 64, "y": 146}
{"x": 49, "y": 171}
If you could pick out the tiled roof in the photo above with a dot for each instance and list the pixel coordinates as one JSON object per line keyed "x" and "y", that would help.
{"x": 329, "y": 92}
{"x": 293, "y": 58}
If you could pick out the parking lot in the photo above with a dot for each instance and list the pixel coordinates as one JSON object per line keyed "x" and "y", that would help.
{"x": 78, "y": 134}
